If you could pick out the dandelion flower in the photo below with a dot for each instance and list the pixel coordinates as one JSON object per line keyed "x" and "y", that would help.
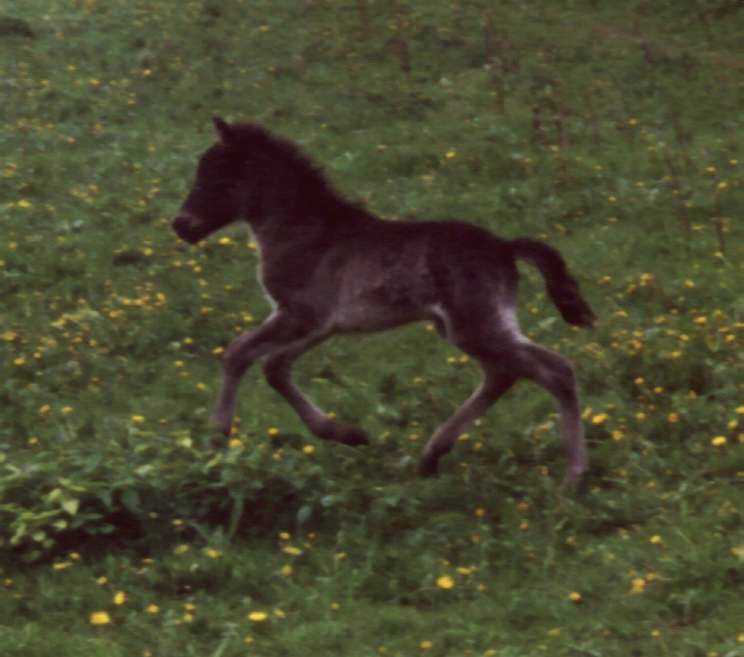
{"x": 120, "y": 598}
{"x": 575, "y": 596}
{"x": 718, "y": 441}
{"x": 258, "y": 616}
{"x": 638, "y": 585}
{"x": 99, "y": 618}
{"x": 445, "y": 582}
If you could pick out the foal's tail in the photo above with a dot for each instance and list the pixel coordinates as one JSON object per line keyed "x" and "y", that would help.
{"x": 562, "y": 288}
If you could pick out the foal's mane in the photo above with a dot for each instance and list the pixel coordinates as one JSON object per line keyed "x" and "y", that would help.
{"x": 281, "y": 155}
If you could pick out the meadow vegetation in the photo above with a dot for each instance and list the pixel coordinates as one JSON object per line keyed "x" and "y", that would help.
{"x": 611, "y": 130}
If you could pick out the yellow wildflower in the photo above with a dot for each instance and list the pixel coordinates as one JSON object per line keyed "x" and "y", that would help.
{"x": 99, "y": 618}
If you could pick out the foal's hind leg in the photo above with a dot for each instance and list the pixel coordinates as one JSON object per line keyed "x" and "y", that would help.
{"x": 278, "y": 371}
{"x": 494, "y": 385}
{"x": 556, "y": 375}
{"x": 279, "y": 330}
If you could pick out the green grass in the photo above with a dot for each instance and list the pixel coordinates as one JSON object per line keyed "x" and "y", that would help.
{"x": 610, "y": 130}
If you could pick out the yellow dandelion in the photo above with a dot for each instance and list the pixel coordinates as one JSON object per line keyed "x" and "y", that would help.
{"x": 152, "y": 609}
{"x": 99, "y": 618}
{"x": 575, "y": 597}
{"x": 120, "y": 598}
{"x": 258, "y": 616}
{"x": 138, "y": 419}
{"x": 718, "y": 441}
{"x": 212, "y": 553}
{"x": 426, "y": 645}
{"x": 286, "y": 571}
{"x": 599, "y": 418}
{"x": 656, "y": 540}
{"x": 272, "y": 432}
{"x": 308, "y": 449}
{"x": 638, "y": 585}
{"x": 445, "y": 582}
{"x": 292, "y": 550}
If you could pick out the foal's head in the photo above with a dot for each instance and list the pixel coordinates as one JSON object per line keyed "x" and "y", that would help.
{"x": 227, "y": 183}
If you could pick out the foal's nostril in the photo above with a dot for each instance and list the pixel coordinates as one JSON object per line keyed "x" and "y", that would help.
{"x": 181, "y": 221}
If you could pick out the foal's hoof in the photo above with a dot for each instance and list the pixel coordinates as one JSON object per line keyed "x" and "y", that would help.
{"x": 224, "y": 426}
{"x": 352, "y": 436}
{"x": 428, "y": 467}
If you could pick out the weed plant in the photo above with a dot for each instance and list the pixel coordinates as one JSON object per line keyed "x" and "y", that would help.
{"x": 609, "y": 129}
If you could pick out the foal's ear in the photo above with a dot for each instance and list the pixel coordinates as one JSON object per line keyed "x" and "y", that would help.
{"x": 224, "y": 131}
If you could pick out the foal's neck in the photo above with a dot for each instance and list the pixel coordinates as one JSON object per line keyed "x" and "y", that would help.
{"x": 292, "y": 224}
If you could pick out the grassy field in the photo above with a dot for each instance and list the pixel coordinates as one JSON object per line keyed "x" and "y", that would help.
{"x": 609, "y": 129}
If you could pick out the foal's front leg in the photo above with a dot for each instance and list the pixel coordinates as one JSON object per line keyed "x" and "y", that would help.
{"x": 278, "y": 371}
{"x": 279, "y": 330}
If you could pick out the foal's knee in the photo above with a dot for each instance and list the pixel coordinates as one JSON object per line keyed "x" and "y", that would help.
{"x": 234, "y": 361}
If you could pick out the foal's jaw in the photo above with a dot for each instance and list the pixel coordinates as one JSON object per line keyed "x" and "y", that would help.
{"x": 190, "y": 228}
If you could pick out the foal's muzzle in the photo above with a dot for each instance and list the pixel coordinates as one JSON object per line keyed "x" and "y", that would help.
{"x": 188, "y": 228}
